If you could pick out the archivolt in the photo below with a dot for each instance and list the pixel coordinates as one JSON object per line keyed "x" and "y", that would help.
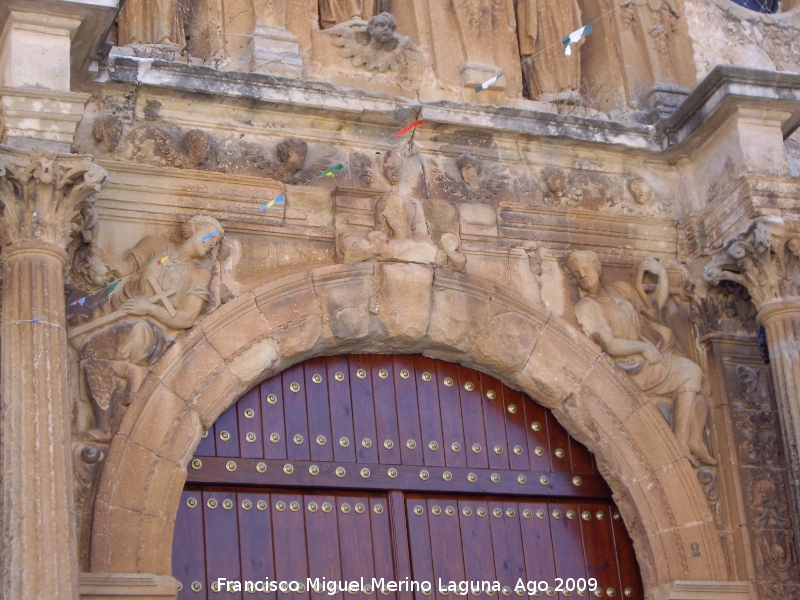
{"x": 398, "y": 308}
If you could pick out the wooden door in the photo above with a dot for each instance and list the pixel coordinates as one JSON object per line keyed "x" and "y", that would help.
{"x": 396, "y": 469}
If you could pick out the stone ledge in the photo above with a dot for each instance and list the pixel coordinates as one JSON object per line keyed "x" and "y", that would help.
{"x": 711, "y": 590}
{"x": 126, "y": 586}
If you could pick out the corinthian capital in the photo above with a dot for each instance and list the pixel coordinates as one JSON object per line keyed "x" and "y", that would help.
{"x": 42, "y": 194}
{"x": 765, "y": 259}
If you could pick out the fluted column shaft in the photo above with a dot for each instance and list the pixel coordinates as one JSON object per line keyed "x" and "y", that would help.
{"x": 781, "y": 320}
{"x": 39, "y": 547}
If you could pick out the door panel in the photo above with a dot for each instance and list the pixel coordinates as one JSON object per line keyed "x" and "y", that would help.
{"x": 395, "y": 467}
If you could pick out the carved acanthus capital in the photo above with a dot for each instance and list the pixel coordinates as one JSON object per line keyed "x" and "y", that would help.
{"x": 42, "y": 195}
{"x": 765, "y": 259}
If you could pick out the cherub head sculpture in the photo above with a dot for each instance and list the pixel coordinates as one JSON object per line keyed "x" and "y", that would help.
{"x": 292, "y": 152}
{"x": 381, "y": 30}
{"x": 470, "y": 168}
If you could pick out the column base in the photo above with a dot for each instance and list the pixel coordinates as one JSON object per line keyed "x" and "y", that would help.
{"x": 127, "y": 586}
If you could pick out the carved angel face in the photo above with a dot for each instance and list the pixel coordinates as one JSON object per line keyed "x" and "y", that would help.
{"x": 381, "y": 28}
{"x": 392, "y": 167}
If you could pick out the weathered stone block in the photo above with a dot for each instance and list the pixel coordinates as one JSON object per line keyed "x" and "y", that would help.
{"x": 347, "y": 297}
{"x": 404, "y": 299}
{"x": 458, "y": 314}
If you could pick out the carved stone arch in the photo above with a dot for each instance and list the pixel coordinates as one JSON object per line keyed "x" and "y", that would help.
{"x": 399, "y": 308}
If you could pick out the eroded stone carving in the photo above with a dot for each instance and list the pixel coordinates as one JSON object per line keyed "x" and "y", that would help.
{"x": 165, "y": 288}
{"x": 290, "y": 167}
{"x": 707, "y": 477}
{"x": 400, "y": 232}
{"x": 625, "y": 321}
{"x": 479, "y": 181}
{"x": 373, "y": 45}
{"x": 643, "y": 205}
{"x": 87, "y": 461}
{"x": 541, "y": 24}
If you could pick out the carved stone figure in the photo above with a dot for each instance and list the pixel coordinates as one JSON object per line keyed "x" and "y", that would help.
{"x": 478, "y": 184}
{"x": 542, "y": 24}
{"x": 624, "y": 321}
{"x": 333, "y": 12}
{"x": 401, "y": 232}
{"x": 374, "y": 45}
{"x": 164, "y": 289}
{"x": 89, "y": 273}
{"x": 152, "y": 22}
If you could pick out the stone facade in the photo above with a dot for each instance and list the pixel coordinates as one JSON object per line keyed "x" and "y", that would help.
{"x": 196, "y": 196}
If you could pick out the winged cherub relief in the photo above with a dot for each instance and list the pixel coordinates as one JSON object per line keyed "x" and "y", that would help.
{"x": 374, "y": 44}
{"x": 291, "y": 154}
{"x": 478, "y": 183}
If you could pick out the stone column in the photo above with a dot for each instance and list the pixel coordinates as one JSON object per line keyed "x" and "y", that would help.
{"x": 42, "y": 194}
{"x": 766, "y": 260}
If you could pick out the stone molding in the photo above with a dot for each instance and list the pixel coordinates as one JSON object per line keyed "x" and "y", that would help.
{"x": 711, "y": 590}
{"x": 55, "y": 121}
{"x": 714, "y": 100}
{"x": 365, "y": 307}
{"x": 126, "y": 586}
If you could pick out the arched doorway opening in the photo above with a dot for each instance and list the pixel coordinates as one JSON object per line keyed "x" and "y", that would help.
{"x": 376, "y": 469}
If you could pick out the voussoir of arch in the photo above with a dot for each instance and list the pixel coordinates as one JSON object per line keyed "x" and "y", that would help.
{"x": 399, "y": 308}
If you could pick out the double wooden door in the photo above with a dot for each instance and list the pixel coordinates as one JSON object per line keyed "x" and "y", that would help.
{"x": 374, "y": 475}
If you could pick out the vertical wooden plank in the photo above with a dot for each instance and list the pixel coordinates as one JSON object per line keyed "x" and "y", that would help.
{"x": 382, "y": 543}
{"x": 430, "y": 417}
{"x": 355, "y": 539}
{"x": 188, "y": 548}
{"x": 581, "y": 457}
{"x": 322, "y": 541}
{"x": 472, "y": 414}
{"x": 538, "y": 443}
{"x": 207, "y": 445}
{"x": 494, "y": 414}
{"x": 290, "y": 541}
{"x": 567, "y": 541}
{"x": 385, "y": 410}
{"x": 341, "y": 409}
{"x": 272, "y": 418}
{"x": 319, "y": 412}
{"x": 295, "y": 413}
{"x": 509, "y": 558}
{"x": 227, "y": 430}
{"x": 537, "y": 542}
{"x": 626, "y": 558}
{"x": 248, "y": 409}
{"x": 452, "y": 423}
{"x": 407, "y": 410}
{"x": 476, "y": 539}
{"x": 256, "y": 544}
{"x": 598, "y": 544}
{"x": 559, "y": 444}
{"x": 222, "y": 539}
{"x": 446, "y": 548}
{"x": 364, "y": 430}
{"x": 518, "y": 451}
{"x": 400, "y": 541}
{"x": 419, "y": 540}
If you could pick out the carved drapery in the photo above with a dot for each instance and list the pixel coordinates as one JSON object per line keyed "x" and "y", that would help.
{"x": 42, "y": 194}
{"x": 766, "y": 260}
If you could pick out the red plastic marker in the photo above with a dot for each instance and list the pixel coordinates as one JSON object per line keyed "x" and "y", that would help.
{"x": 407, "y": 128}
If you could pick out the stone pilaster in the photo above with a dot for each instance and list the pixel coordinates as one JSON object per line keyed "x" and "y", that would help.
{"x": 766, "y": 260}
{"x": 42, "y": 194}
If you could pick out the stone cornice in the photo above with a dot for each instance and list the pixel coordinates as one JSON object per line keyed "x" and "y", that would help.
{"x": 722, "y": 92}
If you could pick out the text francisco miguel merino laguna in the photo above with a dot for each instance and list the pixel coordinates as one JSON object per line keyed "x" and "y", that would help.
{"x": 321, "y": 585}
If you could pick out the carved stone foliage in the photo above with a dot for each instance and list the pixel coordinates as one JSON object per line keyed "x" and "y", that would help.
{"x": 626, "y": 321}
{"x": 765, "y": 260}
{"x": 47, "y": 196}
{"x": 763, "y": 475}
{"x": 165, "y": 288}
{"x": 87, "y": 462}
{"x": 374, "y": 45}
{"x": 707, "y": 477}
{"x": 726, "y": 308}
